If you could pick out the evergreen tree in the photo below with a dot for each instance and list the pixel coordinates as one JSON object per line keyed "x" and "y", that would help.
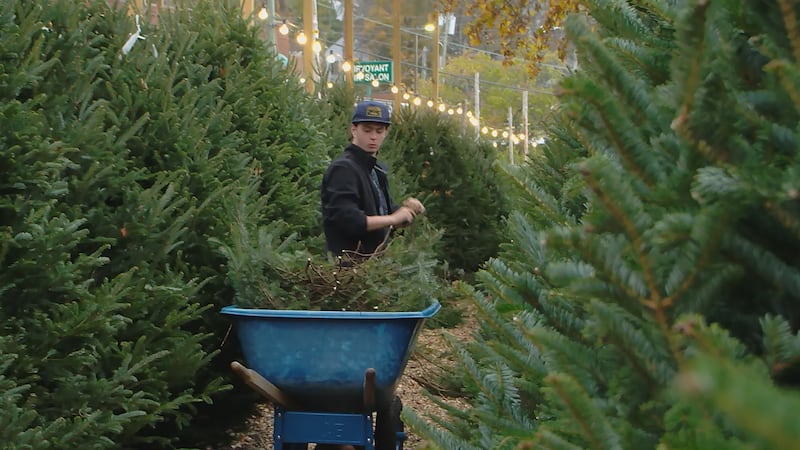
{"x": 647, "y": 296}
{"x": 118, "y": 172}
{"x": 457, "y": 180}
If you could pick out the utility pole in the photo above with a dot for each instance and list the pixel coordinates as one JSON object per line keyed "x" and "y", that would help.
{"x": 308, "y": 48}
{"x": 446, "y": 21}
{"x": 510, "y": 135}
{"x": 247, "y": 7}
{"x": 478, "y": 103}
{"x": 271, "y": 26}
{"x": 435, "y": 62}
{"x": 525, "y": 124}
{"x": 348, "y": 41}
{"x": 396, "y": 53}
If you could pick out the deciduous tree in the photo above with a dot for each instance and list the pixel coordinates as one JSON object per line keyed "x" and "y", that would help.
{"x": 526, "y": 29}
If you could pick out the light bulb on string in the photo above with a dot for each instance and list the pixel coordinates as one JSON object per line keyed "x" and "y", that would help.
{"x": 331, "y": 58}
{"x": 262, "y": 13}
{"x": 375, "y": 83}
{"x": 301, "y": 38}
{"x": 395, "y": 89}
{"x": 283, "y": 29}
{"x": 442, "y": 107}
{"x": 430, "y": 103}
{"x": 406, "y": 96}
{"x": 417, "y": 101}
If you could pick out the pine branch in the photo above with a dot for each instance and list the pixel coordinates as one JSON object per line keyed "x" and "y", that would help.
{"x": 788, "y": 12}
{"x": 742, "y": 392}
{"x": 781, "y": 347}
{"x": 579, "y": 407}
{"x": 648, "y": 355}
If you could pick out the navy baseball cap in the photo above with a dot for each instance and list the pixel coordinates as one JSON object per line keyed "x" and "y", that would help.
{"x": 372, "y": 111}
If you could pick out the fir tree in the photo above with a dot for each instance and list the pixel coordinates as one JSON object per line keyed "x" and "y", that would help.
{"x": 457, "y": 180}
{"x": 648, "y": 294}
{"x": 117, "y": 170}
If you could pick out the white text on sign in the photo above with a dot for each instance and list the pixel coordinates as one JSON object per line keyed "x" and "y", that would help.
{"x": 367, "y": 72}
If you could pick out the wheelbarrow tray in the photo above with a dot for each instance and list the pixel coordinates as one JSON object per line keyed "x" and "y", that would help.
{"x": 319, "y": 358}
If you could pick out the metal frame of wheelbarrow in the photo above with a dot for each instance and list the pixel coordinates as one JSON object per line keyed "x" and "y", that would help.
{"x": 294, "y": 427}
{"x": 307, "y": 364}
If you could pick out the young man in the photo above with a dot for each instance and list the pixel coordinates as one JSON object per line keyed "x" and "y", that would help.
{"x": 357, "y": 212}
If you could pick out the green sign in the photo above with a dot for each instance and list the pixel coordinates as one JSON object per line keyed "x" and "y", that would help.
{"x": 366, "y": 72}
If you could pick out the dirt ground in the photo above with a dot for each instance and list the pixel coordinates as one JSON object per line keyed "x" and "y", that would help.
{"x": 431, "y": 355}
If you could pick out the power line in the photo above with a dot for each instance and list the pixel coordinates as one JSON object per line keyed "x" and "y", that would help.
{"x": 475, "y": 49}
{"x": 467, "y": 78}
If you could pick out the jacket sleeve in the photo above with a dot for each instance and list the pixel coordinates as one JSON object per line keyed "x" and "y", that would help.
{"x": 340, "y": 201}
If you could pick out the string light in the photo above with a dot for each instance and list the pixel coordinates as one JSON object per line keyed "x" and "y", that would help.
{"x": 409, "y": 96}
{"x": 473, "y": 120}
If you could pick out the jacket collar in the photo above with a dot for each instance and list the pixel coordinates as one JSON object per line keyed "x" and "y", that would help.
{"x": 361, "y": 157}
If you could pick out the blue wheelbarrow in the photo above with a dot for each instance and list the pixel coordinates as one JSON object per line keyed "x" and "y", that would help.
{"x": 327, "y": 372}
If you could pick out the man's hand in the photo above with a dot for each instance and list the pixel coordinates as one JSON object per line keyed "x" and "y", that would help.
{"x": 403, "y": 216}
{"x": 414, "y": 205}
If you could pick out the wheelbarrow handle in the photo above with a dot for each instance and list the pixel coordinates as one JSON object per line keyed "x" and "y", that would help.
{"x": 369, "y": 390}
{"x": 264, "y": 387}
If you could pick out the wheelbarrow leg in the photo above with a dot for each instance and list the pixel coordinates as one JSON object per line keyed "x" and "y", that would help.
{"x": 389, "y": 429}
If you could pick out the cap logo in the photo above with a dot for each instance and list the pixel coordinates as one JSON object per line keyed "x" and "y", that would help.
{"x": 374, "y": 111}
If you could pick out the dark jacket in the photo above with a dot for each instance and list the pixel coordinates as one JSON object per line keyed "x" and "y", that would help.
{"x": 348, "y": 197}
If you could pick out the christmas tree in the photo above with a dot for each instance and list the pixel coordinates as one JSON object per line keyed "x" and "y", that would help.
{"x": 648, "y": 294}
{"x": 123, "y": 145}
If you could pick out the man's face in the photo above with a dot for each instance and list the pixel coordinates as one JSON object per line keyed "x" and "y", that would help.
{"x": 369, "y": 136}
